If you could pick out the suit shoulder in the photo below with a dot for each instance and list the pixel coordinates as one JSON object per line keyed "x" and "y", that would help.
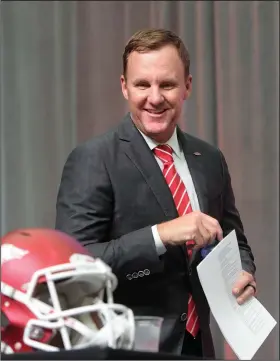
{"x": 97, "y": 144}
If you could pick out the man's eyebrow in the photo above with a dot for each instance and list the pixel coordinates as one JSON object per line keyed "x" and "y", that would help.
{"x": 166, "y": 80}
{"x": 169, "y": 80}
{"x": 142, "y": 80}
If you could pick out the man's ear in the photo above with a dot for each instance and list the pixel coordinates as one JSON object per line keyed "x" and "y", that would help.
{"x": 188, "y": 84}
{"x": 124, "y": 87}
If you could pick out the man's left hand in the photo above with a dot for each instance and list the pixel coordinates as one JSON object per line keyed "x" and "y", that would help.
{"x": 245, "y": 287}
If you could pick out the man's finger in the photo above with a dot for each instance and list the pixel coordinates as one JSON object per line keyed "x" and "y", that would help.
{"x": 248, "y": 292}
{"x": 213, "y": 225}
{"x": 211, "y": 230}
{"x": 220, "y": 234}
{"x": 205, "y": 235}
{"x": 243, "y": 280}
{"x": 198, "y": 240}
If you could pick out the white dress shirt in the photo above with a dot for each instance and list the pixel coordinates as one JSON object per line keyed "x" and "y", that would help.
{"x": 183, "y": 170}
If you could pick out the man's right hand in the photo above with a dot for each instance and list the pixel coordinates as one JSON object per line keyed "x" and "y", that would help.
{"x": 196, "y": 226}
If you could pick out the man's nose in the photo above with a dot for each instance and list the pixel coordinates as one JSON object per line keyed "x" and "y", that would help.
{"x": 155, "y": 97}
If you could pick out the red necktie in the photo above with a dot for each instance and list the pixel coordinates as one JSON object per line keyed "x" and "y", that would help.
{"x": 183, "y": 205}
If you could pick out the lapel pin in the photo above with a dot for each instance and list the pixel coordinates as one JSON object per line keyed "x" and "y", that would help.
{"x": 197, "y": 153}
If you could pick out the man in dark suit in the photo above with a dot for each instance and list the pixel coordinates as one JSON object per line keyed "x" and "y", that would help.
{"x": 116, "y": 198}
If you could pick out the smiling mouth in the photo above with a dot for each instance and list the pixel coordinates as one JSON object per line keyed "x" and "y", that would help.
{"x": 155, "y": 112}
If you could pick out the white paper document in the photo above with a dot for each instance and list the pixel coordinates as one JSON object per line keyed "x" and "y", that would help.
{"x": 245, "y": 327}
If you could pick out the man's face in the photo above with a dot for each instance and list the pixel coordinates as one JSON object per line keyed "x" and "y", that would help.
{"x": 156, "y": 87}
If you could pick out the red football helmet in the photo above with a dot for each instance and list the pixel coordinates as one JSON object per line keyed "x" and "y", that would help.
{"x": 52, "y": 296}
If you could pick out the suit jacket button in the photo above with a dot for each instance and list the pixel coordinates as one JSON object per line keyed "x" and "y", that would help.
{"x": 190, "y": 271}
{"x": 146, "y": 272}
{"x": 129, "y": 277}
{"x": 183, "y": 317}
{"x": 135, "y": 275}
{"x": 141, "y": 274}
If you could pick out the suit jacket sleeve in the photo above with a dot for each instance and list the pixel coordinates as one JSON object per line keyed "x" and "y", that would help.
{"x": 231, "y": 220}
{"x": 85, "y": 210}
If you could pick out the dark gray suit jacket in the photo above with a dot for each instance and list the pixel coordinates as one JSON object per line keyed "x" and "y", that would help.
{"x": 112, "y": 191}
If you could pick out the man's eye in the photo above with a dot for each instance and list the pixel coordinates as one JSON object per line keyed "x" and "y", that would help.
{"x": 168, "y": 86}
{"x": 142, "y": 85}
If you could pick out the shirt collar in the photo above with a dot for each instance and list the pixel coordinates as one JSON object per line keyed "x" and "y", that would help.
{"x": 172, "y": 142}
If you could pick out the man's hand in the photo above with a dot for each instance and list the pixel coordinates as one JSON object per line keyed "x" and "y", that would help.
{"x": 245, "y": 287}
{"x": 196, "y": 226}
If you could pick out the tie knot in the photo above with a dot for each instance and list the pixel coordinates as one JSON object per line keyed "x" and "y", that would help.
{"x": 164, "y": 153}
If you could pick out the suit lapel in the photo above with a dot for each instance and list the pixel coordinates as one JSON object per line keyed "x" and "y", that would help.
{"x": 140, "y": 154}
{"x": 195, "y": 160}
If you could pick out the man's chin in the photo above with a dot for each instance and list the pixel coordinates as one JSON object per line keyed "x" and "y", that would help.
{"x": 159, "y": 132}
{"x": 159, "y": 122}
{"x": 156, "y": 128}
